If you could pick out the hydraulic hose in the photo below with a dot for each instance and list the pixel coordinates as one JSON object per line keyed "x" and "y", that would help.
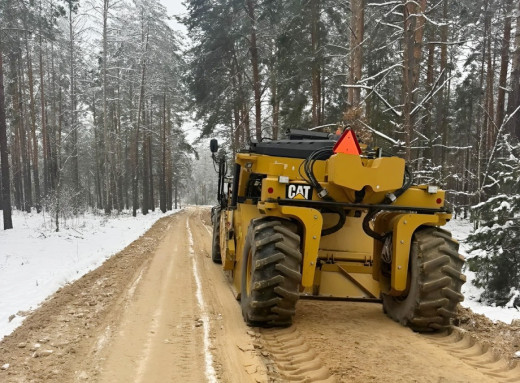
{"x": 341, "y": 222}
{"x": 366, "y": 225}
{"x": 407, "y": 182}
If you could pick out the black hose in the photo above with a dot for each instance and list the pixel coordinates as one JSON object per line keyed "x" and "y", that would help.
{"x": 407, "y": 182}
{"x": 341, "y": 222}
{"x": 366, "y": 225}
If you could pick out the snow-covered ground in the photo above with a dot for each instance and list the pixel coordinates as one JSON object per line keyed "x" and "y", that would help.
{"x": 460, "y": 230}
{"x": 35, "y": 261}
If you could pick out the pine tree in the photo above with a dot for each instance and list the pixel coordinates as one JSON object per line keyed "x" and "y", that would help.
{"x": 5, "y": 192}
{"x": 496, "y": 242}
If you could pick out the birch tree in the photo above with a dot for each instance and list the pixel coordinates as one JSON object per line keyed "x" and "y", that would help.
{"x": 4, "y": 158}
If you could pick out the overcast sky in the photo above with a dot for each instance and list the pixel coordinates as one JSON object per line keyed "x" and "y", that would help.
{"x": 175, "y": 7}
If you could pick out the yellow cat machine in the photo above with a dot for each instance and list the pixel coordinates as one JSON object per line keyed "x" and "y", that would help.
{"x": 311, "y": 216}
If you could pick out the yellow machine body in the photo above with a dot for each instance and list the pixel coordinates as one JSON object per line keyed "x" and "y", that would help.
{"x": 347, "y": 263}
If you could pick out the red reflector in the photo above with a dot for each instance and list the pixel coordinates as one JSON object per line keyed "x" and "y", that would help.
{"x": 439, "y": 201}
{"x": 347, "y": 143}
{"x": 270, "y": 190}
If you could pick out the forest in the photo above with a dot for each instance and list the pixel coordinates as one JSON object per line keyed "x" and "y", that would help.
{"x": 94, "y": 95}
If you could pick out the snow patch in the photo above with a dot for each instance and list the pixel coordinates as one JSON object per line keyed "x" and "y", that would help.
{"x": 460, "y": 230}
{"x": 515, "y": 294}
{"x": 35, "y": 261}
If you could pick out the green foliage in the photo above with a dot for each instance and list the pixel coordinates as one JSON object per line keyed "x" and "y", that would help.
{"x": 220, "y": 78}
{"x": 496, "y": 242}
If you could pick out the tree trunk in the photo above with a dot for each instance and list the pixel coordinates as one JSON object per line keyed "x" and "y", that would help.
{"x": 255, "y": 67}
{"x": 24, "y": 142}
{"x": 489, "y": 118}
{"x": 45, "y": 136}
{"x": 56, "y": 118}
{"x": 135, "y": 169}
{"x": 169, "y": 163}
{"x": 488, "y": 128}
{"x": 275, "y": 104}
{"x": 151, "y": 199}
{"x": 412, "y": 15}
{"x": 176, "y": 187}
{"x": 108, "y": 205}
{"x": 357, "y": 31}
{"x": 316, "y": 75}
{"x": 427, "y": 121}
{"x": 16, "y": 144}
{"x": 246, "y": 121}
{"x": 444, "y": 94}
{"x": 504, "y": 63}
{"x": 162, "y": 180}
{"x": 119, "y": 149}
{"x": 514, "y": 97}
{"x": 58, "y": 177}
{"x": 36, "y": 173}
{"x": 74, "y": 127}
{"x": 4, "y": 156}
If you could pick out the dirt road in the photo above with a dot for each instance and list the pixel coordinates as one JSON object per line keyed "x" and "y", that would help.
{"x": 161, "y": 311}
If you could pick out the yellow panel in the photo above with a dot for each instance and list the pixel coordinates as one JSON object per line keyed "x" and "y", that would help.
{"x": 336, "y": 284}
{"x": 418, "y": 196}
{"x": 350, "y": 237}
{"x": 279, "y": 166}
{"x": 403, "y": 228}
{"x": 381, "y": 174}
{"x": 312, "y": 222}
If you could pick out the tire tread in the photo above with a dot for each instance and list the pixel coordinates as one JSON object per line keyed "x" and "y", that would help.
{"x": 437, "y": 266}
{"x": 276, "y": 273}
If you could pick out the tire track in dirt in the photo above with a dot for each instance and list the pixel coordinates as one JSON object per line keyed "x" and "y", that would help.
{"x": 208, "y": 357}
{"x": 357, "y": 343}
{"x": 236, "y": 358}
{"x": 294, "y": 359}
{"x": 159, "y": 337}
{"x": 480, "y": 355}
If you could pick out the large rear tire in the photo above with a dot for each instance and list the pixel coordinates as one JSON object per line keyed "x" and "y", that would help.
{"x": 215, "y": 244}
{"x": 271, "y": 273}
{"x": 435, "y": 283}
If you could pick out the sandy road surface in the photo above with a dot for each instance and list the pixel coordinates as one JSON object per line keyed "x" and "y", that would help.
{"x": 181, "y": 313}
{"x": 161, "y": 311}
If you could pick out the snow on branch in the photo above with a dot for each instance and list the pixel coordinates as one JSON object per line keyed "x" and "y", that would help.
{"x": 357, "y": 86}
{"x": 399, "y": 28}
{"x": 399, "y": 65}
{"x": 433, "y": 22}
{"x": 389, "y": 106}
{"x": 384, "y": 4}
{"x": 452, "y": 147}
{"x": 493, "y": 151}
{"x": 382, "y": 135}
{"x": 448, "y": 43}
{"x": 432, "y": 92}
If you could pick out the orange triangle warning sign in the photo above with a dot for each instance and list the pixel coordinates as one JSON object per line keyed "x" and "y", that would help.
{"x": 347, "y": 143}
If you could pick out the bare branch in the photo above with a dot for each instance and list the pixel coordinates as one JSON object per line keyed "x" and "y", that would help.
{"x": 493, "y": 151}
{"x": 378, "y": 133}
{"x": 398, "y": 65}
